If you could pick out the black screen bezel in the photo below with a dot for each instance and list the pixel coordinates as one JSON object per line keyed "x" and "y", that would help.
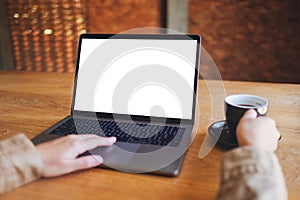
{"x": 139, "y": 117}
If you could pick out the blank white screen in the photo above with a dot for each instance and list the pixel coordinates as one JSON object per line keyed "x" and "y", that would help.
{"x": 149, "y": 98}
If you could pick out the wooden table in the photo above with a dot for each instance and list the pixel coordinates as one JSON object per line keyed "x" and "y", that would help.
{"x": 31, "y": 102}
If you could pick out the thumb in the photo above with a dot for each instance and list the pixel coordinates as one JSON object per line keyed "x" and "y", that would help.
{"x": 250, "y": 114}
{"x": 85, "y": 162}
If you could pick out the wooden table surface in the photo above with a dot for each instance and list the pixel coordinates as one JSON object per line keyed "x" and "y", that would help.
{"x": 30, "y": 102}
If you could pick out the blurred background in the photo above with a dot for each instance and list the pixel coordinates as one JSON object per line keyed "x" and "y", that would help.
{"x": 249, "y": 40}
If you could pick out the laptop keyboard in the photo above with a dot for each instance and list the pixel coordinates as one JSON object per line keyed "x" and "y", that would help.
{"x": 124, "y": 131}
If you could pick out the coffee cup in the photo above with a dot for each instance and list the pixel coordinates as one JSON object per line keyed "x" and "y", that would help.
{"x": 236, "y": 105}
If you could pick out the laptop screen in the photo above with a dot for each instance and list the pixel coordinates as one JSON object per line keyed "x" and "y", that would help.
{"x": 142, "y": 76}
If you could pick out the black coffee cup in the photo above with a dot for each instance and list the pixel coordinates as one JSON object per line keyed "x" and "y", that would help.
{"x": 236, "y": 105}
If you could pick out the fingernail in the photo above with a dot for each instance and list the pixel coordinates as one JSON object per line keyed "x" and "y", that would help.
{"x": 250, "y": 114}
{"x": 112, "y": 139}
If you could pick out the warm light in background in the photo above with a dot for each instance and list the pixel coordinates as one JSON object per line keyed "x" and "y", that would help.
{"x": 47, "y": 31}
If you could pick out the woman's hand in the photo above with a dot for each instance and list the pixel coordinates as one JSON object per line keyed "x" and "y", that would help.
{"x": 60, "y": 156}
{"x": 257, "y": 131}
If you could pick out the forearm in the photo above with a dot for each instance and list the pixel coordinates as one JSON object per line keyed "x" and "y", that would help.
{"x": 20, "y": 162}
{"x": 251, "y": 173}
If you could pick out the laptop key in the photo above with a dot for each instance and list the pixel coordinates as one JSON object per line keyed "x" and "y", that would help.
{"x": 134, "y": 140}
{"x": 144, "y": 141}
{"x": 124, "y": 131}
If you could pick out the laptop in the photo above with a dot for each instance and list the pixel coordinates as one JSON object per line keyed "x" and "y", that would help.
{"x": 140, "y": 88}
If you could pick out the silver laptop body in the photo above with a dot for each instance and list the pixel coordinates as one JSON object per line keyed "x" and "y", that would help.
{"x": 141, "y": 88}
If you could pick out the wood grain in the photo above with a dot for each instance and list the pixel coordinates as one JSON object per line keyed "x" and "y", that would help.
{"x": 119, "y": 16}
{"x": 30, "y": 102}
{"x": 249, "y": 40}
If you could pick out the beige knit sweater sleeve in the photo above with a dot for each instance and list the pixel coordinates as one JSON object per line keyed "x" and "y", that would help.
{"x": 20, "y": 162}
{"x": 251, "y": 173}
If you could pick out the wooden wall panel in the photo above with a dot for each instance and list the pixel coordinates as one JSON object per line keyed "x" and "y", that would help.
{"x": 114, "y": 16}
{"x": 250, "y": 39}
